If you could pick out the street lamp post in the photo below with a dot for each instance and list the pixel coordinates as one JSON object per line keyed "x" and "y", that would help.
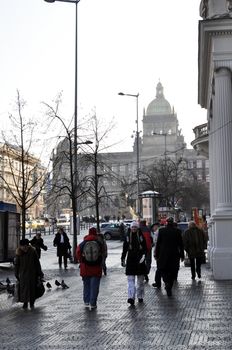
{"x": 75, "y": 124}
{"x": 137, "y": 146}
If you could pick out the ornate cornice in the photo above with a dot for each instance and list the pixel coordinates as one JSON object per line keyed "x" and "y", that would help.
{"x": 208, "y": 60}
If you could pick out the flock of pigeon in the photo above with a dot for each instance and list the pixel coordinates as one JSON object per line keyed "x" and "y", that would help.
{"x": 10, "y": 287}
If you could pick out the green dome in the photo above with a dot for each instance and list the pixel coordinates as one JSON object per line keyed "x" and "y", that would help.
{"x": 159, "y": 105}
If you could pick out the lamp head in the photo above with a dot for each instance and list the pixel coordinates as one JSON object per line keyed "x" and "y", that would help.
{"x": 50, "y": 0}
{"x": 121, "y": 94}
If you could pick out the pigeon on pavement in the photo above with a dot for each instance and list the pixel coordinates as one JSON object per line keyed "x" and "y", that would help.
{"x": 63, "y": 285}
{"x": 48, "y": 285}
{"x": 57, "y": 283}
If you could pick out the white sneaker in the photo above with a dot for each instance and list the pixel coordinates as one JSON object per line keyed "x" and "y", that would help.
{"x": 86, "y": 305}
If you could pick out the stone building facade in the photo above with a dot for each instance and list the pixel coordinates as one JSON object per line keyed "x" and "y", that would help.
{"x": 215, "y": 95}
{"x": 161, "y": 139}
{"x": 11, "y": 179}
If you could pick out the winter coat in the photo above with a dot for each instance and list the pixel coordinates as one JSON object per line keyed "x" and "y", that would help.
{"x": 195, "y": 242}
{"x": 169, "y": 248}
{"x": 27, "y": 272}
{"x": 87, "y": 270}
{"x": 62, "y": 248}
{"x": 148, "y": 237}
{"x": 134, "y": 248}
{"x": 38, "y": 243}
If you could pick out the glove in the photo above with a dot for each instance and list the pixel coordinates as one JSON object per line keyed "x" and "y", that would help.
{"x": 45, "y": 248}
{"x": 123, "y": 264}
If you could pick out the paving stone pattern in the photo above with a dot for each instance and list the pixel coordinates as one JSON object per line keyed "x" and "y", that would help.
{"x": 198, "y": 316}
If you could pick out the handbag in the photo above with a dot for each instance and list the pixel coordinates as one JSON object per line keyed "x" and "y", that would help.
{"x": 40, "y": 289}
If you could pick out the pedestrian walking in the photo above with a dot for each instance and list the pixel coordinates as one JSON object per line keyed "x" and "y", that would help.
{"x": 61, "y": 241}
{"x": 195, "y": 242}
{"x": 102, "y": 240}
{"x": 149, "y": 241}
{"x": 133, "y": 258}
{"x": 169, "y": 250}
{"x": 27, "y": 272}
{"x": 89, "y": 255}
{"x": 154, "y": 233}
{"x": 38, "y": 243}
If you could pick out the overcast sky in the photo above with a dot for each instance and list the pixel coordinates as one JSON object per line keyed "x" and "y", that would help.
{"x": 123, "y": 45}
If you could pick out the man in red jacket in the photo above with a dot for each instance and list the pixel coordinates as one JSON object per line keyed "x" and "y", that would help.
{"x": 89, "y": 255}
{"x": 148, "y": 238}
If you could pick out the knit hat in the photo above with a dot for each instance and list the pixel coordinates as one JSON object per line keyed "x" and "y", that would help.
{"x": 92, "y": 231}
{"x": 135, "y": 224}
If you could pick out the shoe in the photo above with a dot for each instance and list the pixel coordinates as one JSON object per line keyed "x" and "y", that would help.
{"x": 146, "y": 278}
{"x": 86, "y": 305}
{"x": 32, "y": 306}
{"x": 140, "y": 300}
{"x": 199, "y": 275}
{"x": 66, "y": 267}
{"x": 193, "y": 278}
{"x": 155, "y": 285}
{"x": 92, "y": 307}
{"x": 25, "y": 306}
{"x": 131, "y": 301}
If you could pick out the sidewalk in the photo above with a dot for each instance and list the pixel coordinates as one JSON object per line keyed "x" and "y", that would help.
{"x": 198, "y": 316}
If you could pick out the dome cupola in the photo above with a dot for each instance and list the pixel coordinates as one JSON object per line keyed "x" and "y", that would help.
{"x": 159, "y": 105}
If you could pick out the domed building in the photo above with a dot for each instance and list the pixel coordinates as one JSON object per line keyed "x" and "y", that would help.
{"x": 161, "y": 138}
{"x": 161, "y": 134}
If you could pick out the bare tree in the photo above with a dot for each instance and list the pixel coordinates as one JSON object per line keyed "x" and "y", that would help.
{"x": 24, "y": 177}
{"x": 63, "y": 169}
{"x": 97, "y": 190}
{"x": 175, "y": 183}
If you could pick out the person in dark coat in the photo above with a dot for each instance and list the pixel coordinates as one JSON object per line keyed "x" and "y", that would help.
{"x": 169, "y": 250}
{"x": 38, "y": 243}
{"x": 91, "y": 273}
{"x": 27, "y": 272}
{"x": 61, "y": 241}
{"x": 134, "y": 251}
{"x": 195, "y": 242}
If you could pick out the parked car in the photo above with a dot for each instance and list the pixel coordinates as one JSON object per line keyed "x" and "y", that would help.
{"x": 113, "y": 230}
{"x": 128, "y": 222}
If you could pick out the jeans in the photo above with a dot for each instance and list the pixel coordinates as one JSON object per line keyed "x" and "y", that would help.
{"x": 132, "y": 289}
{"x": 91, "y": 289}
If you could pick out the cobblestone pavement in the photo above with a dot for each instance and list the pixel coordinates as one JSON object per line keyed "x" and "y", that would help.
{"x": 198, "y": 316}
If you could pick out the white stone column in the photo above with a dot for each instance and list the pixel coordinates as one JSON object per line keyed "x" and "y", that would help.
{"x": 212, "y": 175}
{"x": 221, "y": 141}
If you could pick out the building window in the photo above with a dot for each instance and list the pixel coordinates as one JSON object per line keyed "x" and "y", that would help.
{"x": 199, "y": 164}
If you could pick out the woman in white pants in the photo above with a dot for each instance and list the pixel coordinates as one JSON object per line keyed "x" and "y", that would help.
{"x": 133, "y": 258}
